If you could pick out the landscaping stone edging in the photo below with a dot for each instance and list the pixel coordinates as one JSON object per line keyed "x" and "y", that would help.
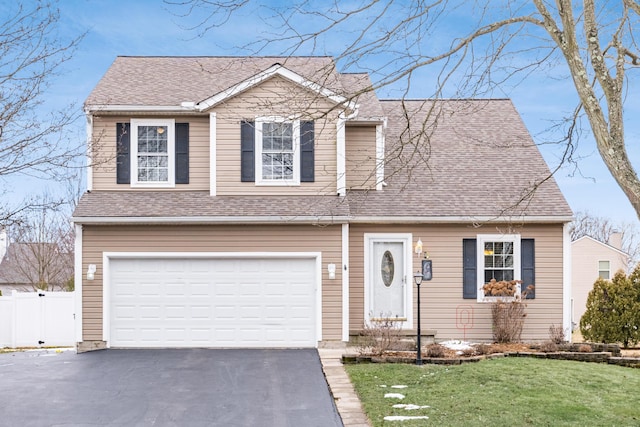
{"x": 593, "y": 357}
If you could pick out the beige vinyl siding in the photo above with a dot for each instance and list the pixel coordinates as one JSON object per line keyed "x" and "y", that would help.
{"x": 442, "y": 296}
{"x": 104, "y": 153}
{"x": 228, "y": 238}
{"x": 281, "y": 98}
{"x": 585, "y": 256}
{"x": 360, "y": 157}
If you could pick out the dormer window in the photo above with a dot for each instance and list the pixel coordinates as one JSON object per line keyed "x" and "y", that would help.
{"x": 278, "y": 142}
{"x": 153, "y": 152}
{"x": 277, "y": 151}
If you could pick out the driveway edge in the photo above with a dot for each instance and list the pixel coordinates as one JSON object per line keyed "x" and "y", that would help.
{"x": 344, "y": 395}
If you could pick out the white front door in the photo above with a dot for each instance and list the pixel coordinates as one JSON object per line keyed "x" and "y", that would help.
{"x": 388, "y": 292}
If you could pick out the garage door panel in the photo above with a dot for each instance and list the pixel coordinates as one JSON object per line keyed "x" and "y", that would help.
{"x": 212, "y": 303}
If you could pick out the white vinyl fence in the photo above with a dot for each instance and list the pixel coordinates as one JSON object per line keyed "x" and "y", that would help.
{"x": 37, "y": 319}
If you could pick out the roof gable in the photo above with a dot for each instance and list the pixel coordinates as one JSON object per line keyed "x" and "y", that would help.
{"x": 585, "y": 239}
{"x": 197, "y": 83}
{"x": 274, "y": 70}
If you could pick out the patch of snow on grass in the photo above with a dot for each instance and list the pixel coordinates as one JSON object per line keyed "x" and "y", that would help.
{"x": 410, "y": 406}
{"x": 394, "y": 396}
{"x": 404, "y": 418}
{"x": 383, "y": 386}
{"x": 399, "y": 386}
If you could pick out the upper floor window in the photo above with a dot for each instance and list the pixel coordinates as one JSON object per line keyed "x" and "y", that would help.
{"x": 277, "y": 148}
{"x": 152, "y": 152}
{"x": 604, "y": 270}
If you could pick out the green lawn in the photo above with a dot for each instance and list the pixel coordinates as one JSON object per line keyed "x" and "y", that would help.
{"x": 502, "y": 392}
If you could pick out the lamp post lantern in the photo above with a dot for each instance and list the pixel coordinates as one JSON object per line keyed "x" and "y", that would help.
{"x": 418, "y": 279}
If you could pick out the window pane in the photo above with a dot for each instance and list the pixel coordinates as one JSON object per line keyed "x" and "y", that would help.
{"x": 508, "y": 261}
{"x": 603, "y": 265}
{"x": 488, "y": 261}
{"x": 163, "y": 175}
{"x": 488, "y": 248}
{"x": 277, "y": 151}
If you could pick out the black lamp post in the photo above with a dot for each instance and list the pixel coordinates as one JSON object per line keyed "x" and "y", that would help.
{"x": 418, "y": 279}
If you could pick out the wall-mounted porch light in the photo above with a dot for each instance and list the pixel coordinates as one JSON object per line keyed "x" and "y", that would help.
{"x": 418, "y": 249}
{"x": 331, "y": 268}
{"x": 91, "y": 271}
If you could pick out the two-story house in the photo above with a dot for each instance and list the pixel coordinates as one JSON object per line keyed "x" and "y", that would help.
{"x": 277, "y": 202}
{"x": 592, "y": 259}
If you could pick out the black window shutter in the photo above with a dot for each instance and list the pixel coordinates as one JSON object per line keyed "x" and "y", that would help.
{"x": 123, "y": 159}
{"x": 527, "y": 264}
{"x": 307, "y": 161}
{"x": 247, "y": 151}
{"x": 469, "y": 269}
{"x": 182, "y": 153}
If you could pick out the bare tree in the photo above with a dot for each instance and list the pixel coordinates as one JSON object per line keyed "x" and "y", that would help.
{"x": 33, "y": 143}
{"x": 40, "y": 253}
{"x": 470, "y": 49}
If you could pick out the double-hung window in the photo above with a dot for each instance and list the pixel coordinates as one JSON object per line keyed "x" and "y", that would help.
{"x": 604, "y": 270}
{"x": 152, "y": 153}
{"x": 498, "y": 258}
{"x": 277, "y": 151}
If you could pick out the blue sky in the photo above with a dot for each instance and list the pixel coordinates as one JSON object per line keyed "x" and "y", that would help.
{"x": 146, "y": 27}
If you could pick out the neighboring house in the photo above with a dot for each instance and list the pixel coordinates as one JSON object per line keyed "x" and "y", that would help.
{"x": 276, "y": 202}
{"x": 590, "y": 259}
{"x": 26, "y": 267}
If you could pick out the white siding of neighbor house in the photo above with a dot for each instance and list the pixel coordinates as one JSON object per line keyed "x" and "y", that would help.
{"x": 586, "y": 253}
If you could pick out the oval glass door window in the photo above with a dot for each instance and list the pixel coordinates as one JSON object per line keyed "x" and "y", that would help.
{"x": 387, "y": 268}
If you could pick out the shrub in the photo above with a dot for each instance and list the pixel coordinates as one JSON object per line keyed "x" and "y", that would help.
{"x": 435, "y": 350}
{"x": 556, "y": 334}
{"x": 548, "y": 347}
{"x": 380, "y": 335}
{"x": 507, "y": 316}
{"x": 584, "y": 348}
{"x": 613, "y": 310}
{"x": 468, "y": 352}
{"x": 483, "y": 349}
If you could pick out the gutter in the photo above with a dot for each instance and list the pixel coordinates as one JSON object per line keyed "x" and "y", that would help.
{"x": 322, "y": 220}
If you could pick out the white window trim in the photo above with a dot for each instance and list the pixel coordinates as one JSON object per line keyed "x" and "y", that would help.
{"x": 296, "y": 151}
{"x": 517, "y": 270}
{"x": 171, "y": 147}
{"x": 608, "y": 270}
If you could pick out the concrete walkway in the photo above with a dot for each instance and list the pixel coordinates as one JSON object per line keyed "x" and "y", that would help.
{"x": 345, "y": 396}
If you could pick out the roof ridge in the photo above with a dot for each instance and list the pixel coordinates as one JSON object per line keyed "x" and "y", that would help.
{"x": 444, "y": 99}
{"x": 223, "y": 56}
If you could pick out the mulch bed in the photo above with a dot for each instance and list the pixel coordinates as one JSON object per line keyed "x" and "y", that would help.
{"x": 600, "y": 353}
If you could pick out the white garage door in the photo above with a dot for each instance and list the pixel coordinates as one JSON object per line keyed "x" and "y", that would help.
{"x": 212, "y": 303}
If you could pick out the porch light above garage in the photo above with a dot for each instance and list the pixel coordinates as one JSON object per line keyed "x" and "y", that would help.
{"x": 91, "y": 271}
{"x": 331, "y": 269}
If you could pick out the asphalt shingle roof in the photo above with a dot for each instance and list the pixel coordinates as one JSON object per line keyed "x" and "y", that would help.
{"x": 443, "y": 158}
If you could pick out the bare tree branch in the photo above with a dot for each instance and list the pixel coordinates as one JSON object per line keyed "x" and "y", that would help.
{"x": 33, "y": 143}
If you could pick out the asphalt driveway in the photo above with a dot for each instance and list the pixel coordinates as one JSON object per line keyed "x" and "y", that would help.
{"x": 178, "y": 387}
